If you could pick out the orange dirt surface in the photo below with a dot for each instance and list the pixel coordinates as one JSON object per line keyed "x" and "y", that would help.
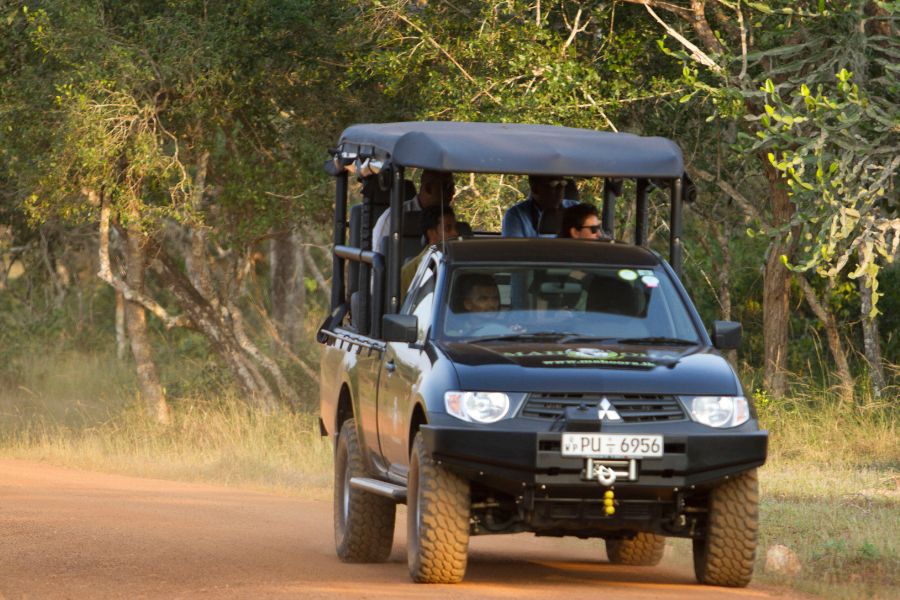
{"x": 66, "y": 533}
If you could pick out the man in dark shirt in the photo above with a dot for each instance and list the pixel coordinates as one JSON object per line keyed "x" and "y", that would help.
{"x": 522, "y": 219}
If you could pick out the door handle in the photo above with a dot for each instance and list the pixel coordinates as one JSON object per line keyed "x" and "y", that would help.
{"x": 390, "y": 366}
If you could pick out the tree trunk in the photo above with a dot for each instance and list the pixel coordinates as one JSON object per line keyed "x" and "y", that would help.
{"x": 820, "y": 309}
{"x": 871, "y": 340}
{"x": 136, "y": 320}
{"x": 209, "y": 321}
{"x": 723, "y": 278}
{"x": 288, "y": 289}
{"x": 776, "y": 290}
{"x": 121, "y": 337}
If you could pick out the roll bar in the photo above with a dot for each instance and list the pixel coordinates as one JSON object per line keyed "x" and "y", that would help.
{"x": 390, "y": 270}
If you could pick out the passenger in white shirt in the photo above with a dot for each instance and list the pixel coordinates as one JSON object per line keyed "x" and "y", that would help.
{"x": 434, "y": 187}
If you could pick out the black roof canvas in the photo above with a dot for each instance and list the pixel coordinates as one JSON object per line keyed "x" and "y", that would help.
{"x": 515, "y": 148}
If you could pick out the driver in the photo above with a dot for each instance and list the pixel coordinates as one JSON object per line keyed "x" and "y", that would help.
{"x": 481, "y": 294}
{"x": 475, "y": 309}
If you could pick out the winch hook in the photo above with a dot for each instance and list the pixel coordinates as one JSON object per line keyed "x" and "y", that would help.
{"x": 605, "y": 475}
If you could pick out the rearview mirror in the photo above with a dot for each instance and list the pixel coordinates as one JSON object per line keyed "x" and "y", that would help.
{"x": 726, "y": 335}
{"x": 400, "y": 328}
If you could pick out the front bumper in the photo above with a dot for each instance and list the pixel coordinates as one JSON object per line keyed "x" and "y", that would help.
{"x": 515, "y": 461}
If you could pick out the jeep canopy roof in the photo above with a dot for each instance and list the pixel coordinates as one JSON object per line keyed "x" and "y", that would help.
{"x": 513, "y": 148}
{"x": 379, "y": 153}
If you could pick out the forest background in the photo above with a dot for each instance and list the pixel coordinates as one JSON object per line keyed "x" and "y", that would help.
{"x": 165, "y": 217}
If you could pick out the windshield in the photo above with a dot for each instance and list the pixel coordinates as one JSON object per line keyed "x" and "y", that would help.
{"x": 568, "y": 303}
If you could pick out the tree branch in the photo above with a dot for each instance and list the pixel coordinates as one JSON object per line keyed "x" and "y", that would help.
{"x": 696, "y": 53}
{"x": 321, "y": 284}
{"x": 682, "y": 12}
{"x": 574, "y": 30}
{"x": 105, "y": 273}
{"x": 750, "y": 211}
{"x": 441, "y": 49}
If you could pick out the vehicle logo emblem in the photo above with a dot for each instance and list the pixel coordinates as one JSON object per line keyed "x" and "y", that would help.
{"x": 591, "y": 353}
{"x": 607, "y": 411}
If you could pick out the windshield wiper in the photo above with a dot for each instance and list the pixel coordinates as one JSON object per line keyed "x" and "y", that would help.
{"x": 512, "y": 337}
{"x": 575, "y": 338}
{"x": 658, "y": 340}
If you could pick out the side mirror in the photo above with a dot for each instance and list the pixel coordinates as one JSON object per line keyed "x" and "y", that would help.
{"x": 726, "y": 335}
{"x": 400, "y": 328}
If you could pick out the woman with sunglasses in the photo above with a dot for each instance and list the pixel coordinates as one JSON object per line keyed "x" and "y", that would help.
{"x": 581, "y": 222}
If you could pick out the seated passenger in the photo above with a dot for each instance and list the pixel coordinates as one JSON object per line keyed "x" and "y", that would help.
{"x": 475, "y": 307}
{"x": 435, "y": 188}
{"x": 580, "y": 221}
{"x": 438, "y": 224}
{"x": 478, "y": 293}
{"x": 522, "y": 219}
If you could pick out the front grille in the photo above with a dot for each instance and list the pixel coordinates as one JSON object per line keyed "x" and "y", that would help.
{"x": 633, "y": 408}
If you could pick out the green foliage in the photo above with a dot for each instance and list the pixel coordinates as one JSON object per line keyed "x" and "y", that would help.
{"x": 837, "y": 149}
{"x": 495, "y": 61}
{"x": 126, "y": 99}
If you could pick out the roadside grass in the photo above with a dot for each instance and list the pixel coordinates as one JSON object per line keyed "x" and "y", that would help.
{"x": 81, "y": 411}
{"x": 830, "y": 489}
{"x": 831, "y": 493}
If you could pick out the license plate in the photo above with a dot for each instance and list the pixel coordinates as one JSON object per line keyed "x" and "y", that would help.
{"x": 612, "y": 445}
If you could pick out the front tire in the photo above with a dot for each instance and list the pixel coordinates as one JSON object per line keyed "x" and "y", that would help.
{"x": 643, "y": 550}
{"x": 726, "y": 556}
{"x": 363, "y": 522}
{"x": 437, "y": 510}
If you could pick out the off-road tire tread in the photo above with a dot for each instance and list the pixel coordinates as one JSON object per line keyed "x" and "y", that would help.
{"x": 644, "y": 550}
{"x": 441, "y": 553}
{"x": 369, "y": 531}
{"x": 727, "y": 555}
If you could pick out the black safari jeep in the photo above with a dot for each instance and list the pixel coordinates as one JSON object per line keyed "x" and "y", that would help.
{"x": 591, "y": 402}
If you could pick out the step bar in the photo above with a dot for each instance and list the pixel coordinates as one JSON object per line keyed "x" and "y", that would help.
{"x": 395, "y": 492}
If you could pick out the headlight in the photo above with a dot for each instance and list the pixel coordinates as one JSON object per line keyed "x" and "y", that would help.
{"x": 477, "y": 407}
{"x": 719, "y": 411}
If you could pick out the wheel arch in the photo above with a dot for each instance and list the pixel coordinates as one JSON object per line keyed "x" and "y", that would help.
{"x": 416, "y": 420}
{"x": 344, "y": 408}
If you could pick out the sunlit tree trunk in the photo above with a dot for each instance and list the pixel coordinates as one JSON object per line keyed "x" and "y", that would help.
{"x": 871, "y": 340}
{"x": 136, "y": 320}
{"x": 121, "y": 337}
{"x": 776, "y": 290}
{"x": 288, "y": 289}
{"x": 832, "y": 334}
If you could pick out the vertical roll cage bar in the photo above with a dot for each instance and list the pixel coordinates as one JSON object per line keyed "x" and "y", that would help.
{"x": 394, "y": 174}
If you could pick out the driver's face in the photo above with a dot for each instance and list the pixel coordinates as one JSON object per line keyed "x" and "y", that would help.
{"x": 483, "y": 298}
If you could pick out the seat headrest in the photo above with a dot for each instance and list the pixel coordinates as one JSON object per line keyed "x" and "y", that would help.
{"x": 615, "y": 296}
{"x": 550, "y": 222}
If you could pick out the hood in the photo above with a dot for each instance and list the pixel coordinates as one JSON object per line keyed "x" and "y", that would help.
{"x": 586, "y": 367}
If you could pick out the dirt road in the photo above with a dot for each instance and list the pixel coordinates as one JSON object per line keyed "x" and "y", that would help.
{"x": 76, "y": 534}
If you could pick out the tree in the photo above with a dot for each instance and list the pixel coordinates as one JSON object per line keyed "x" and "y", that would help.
{"x": 730, "y": 49}
{"x": 184, "y": 127}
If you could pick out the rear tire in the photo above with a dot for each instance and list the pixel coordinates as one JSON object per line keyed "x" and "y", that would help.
{"x": 438, "y": 505}
{"x": 644, "y": 550}
{"x": 726, "y": 556}
{"x": 363, "y": 522}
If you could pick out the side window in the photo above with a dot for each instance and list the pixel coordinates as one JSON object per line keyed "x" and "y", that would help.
{"x": 421, "y": 303}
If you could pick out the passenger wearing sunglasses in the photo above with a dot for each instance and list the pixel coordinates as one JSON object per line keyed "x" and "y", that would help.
{"x": 581, "y": 221}
{"x": 521, "y": 220}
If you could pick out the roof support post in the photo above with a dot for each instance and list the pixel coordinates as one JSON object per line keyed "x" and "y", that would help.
{"x": 675, "y": 244}
{"x": 340, "y": 238}
{"x": 610, "y": 191}
{"x": 393, "y": 267}
{"x": 640, "y": 218}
